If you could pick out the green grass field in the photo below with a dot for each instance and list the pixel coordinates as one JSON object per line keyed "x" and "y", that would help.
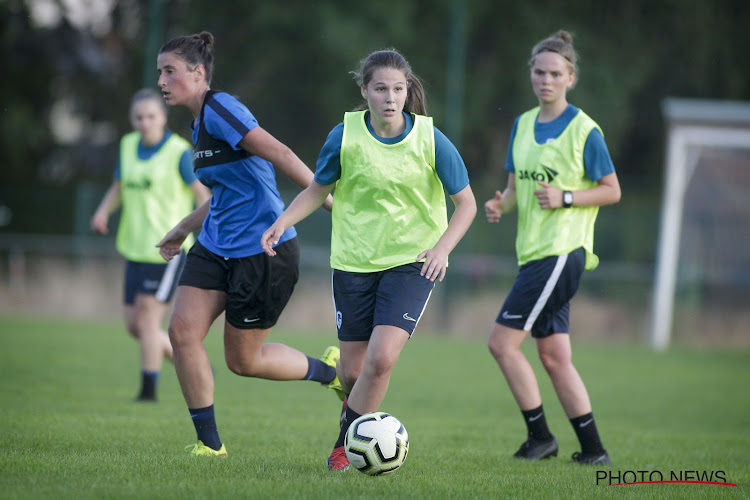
{"x": 69, "y": 427}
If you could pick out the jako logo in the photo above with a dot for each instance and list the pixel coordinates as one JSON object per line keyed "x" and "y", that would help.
{"x": 631, "y": 477}
{"x": 548, "y": 175}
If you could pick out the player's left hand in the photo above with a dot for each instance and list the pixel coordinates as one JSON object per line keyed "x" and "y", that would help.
{"x": 548, "y": 196}
{"x": 435, "y": 264}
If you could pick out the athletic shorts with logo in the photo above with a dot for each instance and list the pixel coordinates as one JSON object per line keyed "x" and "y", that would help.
{"x": 159, "y": 280}
{"x": 258, "y": 287}
{"x": 540, "y": 298}
{"x": 395, "y": 297}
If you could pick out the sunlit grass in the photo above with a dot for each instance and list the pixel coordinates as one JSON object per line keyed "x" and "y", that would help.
{"x": 69, "y": 426}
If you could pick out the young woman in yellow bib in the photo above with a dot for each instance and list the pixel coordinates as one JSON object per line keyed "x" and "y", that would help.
{"x": 391, "y": 237}
{"x": 560, "y": 173}
{"x": 155, "y": 186}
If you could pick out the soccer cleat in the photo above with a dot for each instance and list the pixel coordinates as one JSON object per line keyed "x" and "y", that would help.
{"x": 537, "y": 450}
{"x": 330, "y": 357}
{"x": 601, "y": 458}
{"x": 337, "y": 459}
{"x": 145, "y": 399}
{"x": 200, "y": 449}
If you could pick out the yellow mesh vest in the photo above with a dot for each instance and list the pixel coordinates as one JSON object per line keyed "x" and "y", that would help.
{"x": 389, "y": 204}
{"x": 549, "y": 232}
{"x": 154, "y": 198}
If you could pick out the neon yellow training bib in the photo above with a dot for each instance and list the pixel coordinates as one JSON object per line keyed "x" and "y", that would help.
{"x": 550, "y": 232}
{"x": 389, "y": 204}
{"x": 154, "y": 198}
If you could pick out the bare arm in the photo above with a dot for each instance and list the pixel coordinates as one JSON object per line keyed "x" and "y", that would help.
{"x": 606, "y": 192}
{"x": 261, "y": 143}
{"x": 111, "y": 202}
{"x": 436, "y": 258}
{"x": 303, "y": 205}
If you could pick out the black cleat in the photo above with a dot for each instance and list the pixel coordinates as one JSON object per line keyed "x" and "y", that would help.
{"x": 143, "y": 398}
{"x": 601, "y": 458}
{"x": 537, "y": 450}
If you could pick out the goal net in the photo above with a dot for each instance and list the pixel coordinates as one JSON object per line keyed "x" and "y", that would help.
{"x": 702, "y": 280}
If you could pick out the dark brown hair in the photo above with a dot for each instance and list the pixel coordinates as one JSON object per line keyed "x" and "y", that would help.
{"x": 194, "y": 50}
{"x": 390, "y": 58}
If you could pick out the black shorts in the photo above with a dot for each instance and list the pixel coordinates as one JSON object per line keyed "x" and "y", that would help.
{"x": 395, "y": 297}
{"x": 159, "y": 280}
{"x": 257, "y": 287}
{"x": 540, "y": 298}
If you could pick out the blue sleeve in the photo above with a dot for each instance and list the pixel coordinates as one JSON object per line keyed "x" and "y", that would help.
{"x": 117, "y": 173}
{"x": 328, "y": 166}
{"x": 228, "y": 119}
{"x": 186, "y": 167}
{"x": 509, "y": 166}
{"x": 596, "y": 157}
{"x": 449, "y": 165}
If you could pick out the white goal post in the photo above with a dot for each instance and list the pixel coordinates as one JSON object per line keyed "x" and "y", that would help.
{"x": 691, "y": 125}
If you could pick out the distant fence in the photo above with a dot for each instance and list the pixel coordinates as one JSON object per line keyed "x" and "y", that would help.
{"x": 81, "y": 276}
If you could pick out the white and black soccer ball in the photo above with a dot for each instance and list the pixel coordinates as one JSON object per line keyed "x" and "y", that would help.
{"x": 376, "y": 443}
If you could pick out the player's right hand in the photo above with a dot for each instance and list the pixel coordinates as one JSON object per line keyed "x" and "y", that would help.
{"x": 99, "y": 223}
{"x": 171, "y": 244}
{"x": 493, "y": 208}
{"x": 271, "y": 237}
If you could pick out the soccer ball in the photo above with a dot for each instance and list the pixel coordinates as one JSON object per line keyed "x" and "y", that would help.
{"x": 376, "y": 443}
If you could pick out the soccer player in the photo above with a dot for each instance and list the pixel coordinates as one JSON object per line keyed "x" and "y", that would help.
{"x": 155, "y": 186}
{"x": 227, "y": 270}
{"x": 560, "y": 173}
{"x": 390, "y": 236}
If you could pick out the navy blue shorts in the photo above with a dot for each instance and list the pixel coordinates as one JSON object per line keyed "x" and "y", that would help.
{"x": 258, "y": 287}
{"x": 540, "y": 298}
{"x": 396, "y": 297}
{"x": 159, "y": 280}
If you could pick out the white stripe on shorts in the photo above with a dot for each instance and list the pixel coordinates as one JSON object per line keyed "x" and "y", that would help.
{"x": 422, "y": 311}
{"x": 546, "y": 292}
{"x": 167, "y": 279}
{"x": 336, "y": 319}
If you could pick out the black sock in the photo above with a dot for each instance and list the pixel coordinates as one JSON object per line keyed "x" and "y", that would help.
{"x": 319, "y": 371}
{"x": 148, "y": 384}
{"x": 205, "y": 426}
{"x": 349, "y": 416}
{"x": 536, "y": 423}
{"x": 587, "y": 433}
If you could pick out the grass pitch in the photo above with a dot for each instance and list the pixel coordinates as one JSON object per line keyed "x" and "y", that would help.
{"x": 69, "y": 427}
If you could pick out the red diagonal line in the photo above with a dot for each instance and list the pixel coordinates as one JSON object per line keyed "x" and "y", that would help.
{"x": 682, "y": 482}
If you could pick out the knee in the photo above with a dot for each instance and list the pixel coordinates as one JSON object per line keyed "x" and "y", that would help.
{"x": 380, "y": 365}
{"x": 179, "y": 333}
{"x": 348, "y": 375}
{"x": 131, "y": 322}
{"x": 553, "y": 361}
{"x": 495, "y": 346}
{"x": 132, "y": 328}
{"x": 500, "y": 347}
{"x": 241, "y": 367}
